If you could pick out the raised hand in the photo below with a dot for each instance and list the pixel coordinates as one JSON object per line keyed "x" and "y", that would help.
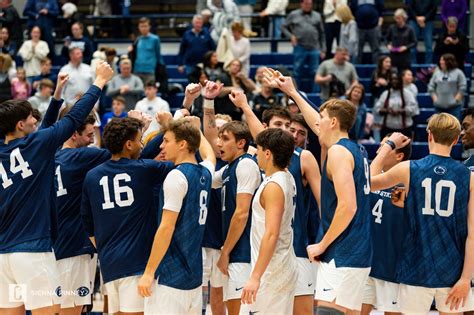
{"x": 399, "y": 139}
{"x": 239, "y": 98}
{"x": 135, "y": 114}
{"x": 193, "y": 90}
{"x": 194, "y": 120}
{"x": 104, "y": 73}
{"x": 212, "y": 89}
{"x": 63, "y": 77}
{"x": 163, "y": 118}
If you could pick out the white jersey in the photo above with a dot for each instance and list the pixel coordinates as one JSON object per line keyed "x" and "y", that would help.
{"x": 282, "y": 268}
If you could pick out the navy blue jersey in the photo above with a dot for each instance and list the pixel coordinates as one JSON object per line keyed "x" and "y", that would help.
{"x": 353, "y": 247}
{"x": 72, "y": 166}
{"x": 300, "y": 222}
{"x": 213, "y": 234}
{"x": 469, "y": 162}
{"x": 314, "y": 219}
{"x": 241, "y": 251}
{"x": 27, "y": 195}
{"x": 118, "y": 209}
{"x": 181, "y": 267}
{"x": 387, "y": 235}
{"x": 436, "y": 222}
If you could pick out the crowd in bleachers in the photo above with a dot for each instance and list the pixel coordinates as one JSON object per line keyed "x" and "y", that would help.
{"x": 394, "y": 93}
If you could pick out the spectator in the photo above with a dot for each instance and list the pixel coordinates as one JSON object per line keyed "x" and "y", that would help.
{"x": 447, "y": 86}
{"x": 381, "y": 77}
{"x": 5, "y": 85}
{"x": 213, "y": 68}
{"x": 126, "y": 85}
{"x": 332, "y": 23}
{"x": 276, "y": 8}
{"x": 225, "y": 12}
{"x": 401, "y": 38}
{"x": 42, "y": 98}
{"x": 456, "y": 8}
{"x": 78, "y": 40}
{"x": 152, "y": 103}
{"x": 246, "y": 8}
{"x": 240, "y": 46}
{"x": 348, "y": 37}
{"x": 80, "y": 76}
{"x": 194, "y": 45}
{"x": 206, "y": 20}
{"x": 21, "y": 88}
{"x": 235, "y": 78}
{"x": 356, "y": 96}
{"x": 407, "y": 79}
{"x": 453, "y": 41}
{"x": 32, "y": 52}
{"x": 397, "y": 106}
{"x": 6, "y": 45}
{"x": 146, "y": 52}
{"x": 196, "y": 107}
{"x": 111, "y": 58}
{"x": 10, "y": 19}
{"x": 304, "y": 27}
{"x": 46, "y": 73}
{"x": 369, "y": 19}
{"x": 337, "y": 68}
{"x": 118, "y": 111}
{"x": 42, "y": 13}
{"x": 421, "y": 15}
{"x": 264, "y": 100}
{"x": 259, "y": 75}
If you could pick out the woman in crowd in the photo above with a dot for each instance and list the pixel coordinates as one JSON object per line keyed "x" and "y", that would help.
{"x": 348, "y": 37}
{"x": 240, "y": 47}
{"x": 401, "y": 38}
{"x": 453, "y": 41}
{"x": 356, "y": 96}
{"x": 397, "y": 106}
{"x": 447, "y": 86}
{"x": 32, "y": 52}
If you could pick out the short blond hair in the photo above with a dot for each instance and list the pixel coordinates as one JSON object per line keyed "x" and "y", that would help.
{"x": 343, "y": 110}
{"x": 344, "y": 13}
{"x": 444, "y": 127}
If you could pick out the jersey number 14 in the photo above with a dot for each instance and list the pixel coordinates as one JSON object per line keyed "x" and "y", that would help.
{"x": 17, "y": 164}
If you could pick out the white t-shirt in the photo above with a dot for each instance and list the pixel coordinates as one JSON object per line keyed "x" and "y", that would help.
{"x": 175, "y": 187}
{"x": 152, "y": 107}
{"x": 282, "y": 268}
{"x": 247, "y": 173}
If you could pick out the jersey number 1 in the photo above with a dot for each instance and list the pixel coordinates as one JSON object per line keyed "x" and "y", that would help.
{"x": 118, "y": 191}
{"x": 17, "y": 164}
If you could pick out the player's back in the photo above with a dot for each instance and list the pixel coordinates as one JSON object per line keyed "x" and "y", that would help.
{"x": 300, "y": 223}
{"x": 181, "y": 267}
{"x": 281, "y": 269}
{"x": 26, "y": 190}
{"x": 436, "y": 222}
{"x": 387, "y": 231}
{"x": 353, "y": 247}
{"x": 72, "y": 166}
{"x": 119, "y": 210}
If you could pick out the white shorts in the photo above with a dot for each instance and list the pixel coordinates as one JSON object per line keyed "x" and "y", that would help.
{"x": 239, "y": 273}
{"x": 306, "y": 282}
{"x": 381, "y": 294}
{"x": 166, "y": 300}
{"x": 123, "y": 295}
{"x": 210, "y": 272}
{"x": 29, "y": 279}
{"x": 416, "y": 300}
{"x": 343, "y": 285}
{"x": 270, "y": 303}
{"x": 75, "y": 275}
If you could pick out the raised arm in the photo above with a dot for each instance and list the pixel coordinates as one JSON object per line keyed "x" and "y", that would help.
{"x": 52, "y": 112}
{"x": 240, "y": 100}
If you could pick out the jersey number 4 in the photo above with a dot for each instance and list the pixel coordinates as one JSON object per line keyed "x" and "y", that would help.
{"x": 377, "y": 211}
{"x": 123, "y": 194}
{"x": 17, "y": 164}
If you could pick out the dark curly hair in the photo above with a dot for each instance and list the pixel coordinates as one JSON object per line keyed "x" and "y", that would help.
{"x": 11, "y": 112}
{"x": 118, "y": 131}
{"x": 280, "y": 143}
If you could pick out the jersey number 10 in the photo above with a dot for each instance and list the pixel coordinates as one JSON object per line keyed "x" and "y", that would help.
{"x": 450, "y": 186}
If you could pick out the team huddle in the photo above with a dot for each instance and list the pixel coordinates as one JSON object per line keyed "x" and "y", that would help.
{"x": 240, "y": 206}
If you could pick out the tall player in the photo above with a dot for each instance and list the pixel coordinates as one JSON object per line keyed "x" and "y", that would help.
{"x": 239, "y": 181}
{"x": 437, "y": 260}
{"x": 381, "y": 290}
{"x": 305, "y": 170}
{"x": 119, "y": 212}
{"x": 27, "y": 263}
{"x": 176, "y": 254}
{"x": 272, "y": 283}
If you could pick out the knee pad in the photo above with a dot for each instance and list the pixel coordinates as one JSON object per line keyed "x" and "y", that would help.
{"x": 322, "y": 310}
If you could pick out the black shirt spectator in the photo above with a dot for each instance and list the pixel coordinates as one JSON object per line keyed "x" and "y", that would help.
{"x": 78, "y": 40}
{"x": 10, "y": 19}
{"x": 264, "y": 100}
{"x": 453, "y": 41}
{"x": 401, "y": 38}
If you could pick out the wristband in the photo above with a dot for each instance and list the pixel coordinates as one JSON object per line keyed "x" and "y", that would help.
{"x": 391, "y": 144}
{"x": 208, "y": 103}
